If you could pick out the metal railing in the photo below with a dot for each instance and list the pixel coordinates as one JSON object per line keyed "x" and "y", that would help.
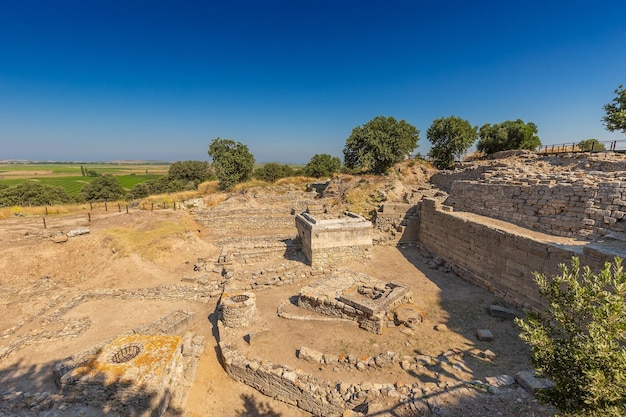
{"x": 609, "y": 146}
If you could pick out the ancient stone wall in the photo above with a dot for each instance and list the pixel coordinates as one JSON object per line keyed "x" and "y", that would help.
{"x": 560, "y": 207}
{"x": 498, "y": 260}
{"x": 241, "y": 212}
{"x": 581, "y": 195}
{"x": 396, "y": 222}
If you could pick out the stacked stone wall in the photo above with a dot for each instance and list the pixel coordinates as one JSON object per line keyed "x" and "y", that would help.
{"x": 500, "y": 261}
{"x": 559, "y": 206}
{"x": 260, "y": 211}
{"x": 578, "y": 195}
{"x": 257, "y": 249}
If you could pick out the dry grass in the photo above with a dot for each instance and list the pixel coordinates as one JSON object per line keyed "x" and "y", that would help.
{"x": 147, "y": 243}
{"x": 18, "y": 211}
{"x": 298, "y": 181}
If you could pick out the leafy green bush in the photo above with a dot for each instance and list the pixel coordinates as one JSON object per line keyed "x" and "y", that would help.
{"x": 33, "y": 193}
{"x": 161, "y": 185}
{"x": 103, "y": 188}
{"x": 591, "y": 145}
{"x": 273, "y": 171}
{"x": 193, "y": 172}
{"x": 322, "y": 165}
{"x": 579, "y": 342}
{"x": 508, "y": 135}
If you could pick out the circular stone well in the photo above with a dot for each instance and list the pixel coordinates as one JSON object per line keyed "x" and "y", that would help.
{"x": 125, "y": 353}
{"x": 238, "y": 310}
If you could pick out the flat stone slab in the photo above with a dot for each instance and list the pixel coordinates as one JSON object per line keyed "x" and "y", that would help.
{"x": 503, "y": 312}
{"x": 532, "y": 383}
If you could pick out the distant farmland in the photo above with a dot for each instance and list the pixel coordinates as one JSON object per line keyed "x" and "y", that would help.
{"x": 69, "y": 175}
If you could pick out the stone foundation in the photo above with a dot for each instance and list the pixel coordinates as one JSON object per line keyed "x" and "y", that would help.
{"x": 357, "y": 297}
{"x": 330, "y": 240}
{"x": 135, "y": 372}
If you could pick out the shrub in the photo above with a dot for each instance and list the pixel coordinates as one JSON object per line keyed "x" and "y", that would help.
{"x": 580, "y": 340}
{"x": 33, "y": 193}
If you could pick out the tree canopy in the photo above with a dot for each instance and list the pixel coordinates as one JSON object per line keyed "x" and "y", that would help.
{"x": 33, "y": 193}
{"x": 190, "y": 172}
{"x": 508, "y": 135}
{"x": 273, "y": 171}
{"x": 322, "y": 165}
{"x": 591, "y": 145}
{"x": 380, "y": 143}
{"x": 451, "y": 137}
{"x": 579, "y": 342}
{"x": 103, "y": 188}
{"x": 232, "y": 161}
{"x": 615, "y": 111}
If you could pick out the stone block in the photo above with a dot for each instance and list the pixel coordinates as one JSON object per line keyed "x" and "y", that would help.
{"x": 60, "y": 238}
{"x": 484, "y": 335}
{"x": 310, "y": 355}
{"x": 503, "y": 312}
{"x": 532, "y": 383}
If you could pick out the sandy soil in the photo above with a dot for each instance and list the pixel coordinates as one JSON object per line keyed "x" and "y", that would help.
{"x": 146, "y": 249}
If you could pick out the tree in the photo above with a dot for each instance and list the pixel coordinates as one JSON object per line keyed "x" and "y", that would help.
{"x": 615, "y": 112}
{"x": 508, "y": 135}
{"x": 322, "y": 165}
{"x": 103, "y": 188}
{"x": 33, "y": 193}
{"x": 451, "y": 137}
{"x": 591, "y": 145}
{"x": 380, "y": 143}
{"x": 580, "y": 340}
{"x": 272, "y": 172}
{"x": 190, "y": 172}
{"x": 161, "y": 185}
{"x": 232, "y": 161}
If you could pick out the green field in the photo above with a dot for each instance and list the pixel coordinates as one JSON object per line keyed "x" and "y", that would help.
{"x": 69, "y": 175}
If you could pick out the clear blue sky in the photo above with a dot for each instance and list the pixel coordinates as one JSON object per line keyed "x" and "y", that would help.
{"x": 101, "y": 80}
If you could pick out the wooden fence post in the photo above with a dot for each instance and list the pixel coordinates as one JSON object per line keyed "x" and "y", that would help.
{"x": 44, "y": 223}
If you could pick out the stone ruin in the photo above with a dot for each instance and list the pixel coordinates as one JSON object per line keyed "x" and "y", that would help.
{"x": 238, "y": 310}
{"x": 366, "y": 300}
{"x": 328, "y": 240}
{"x": 134, "y": 371}
{"x": 138, "y": 373}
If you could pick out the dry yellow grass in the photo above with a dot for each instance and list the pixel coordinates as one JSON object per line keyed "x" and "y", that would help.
{"x": 147, "y": 243}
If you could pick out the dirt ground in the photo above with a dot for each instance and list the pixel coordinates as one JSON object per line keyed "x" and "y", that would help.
{"x": 147, "y": 249}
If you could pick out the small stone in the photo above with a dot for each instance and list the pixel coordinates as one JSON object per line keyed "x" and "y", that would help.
{"x": 503, "y": 312}
{"x": 484, "y": 335}
{"x": 531, "y": 383}
{"x": 500, "y": 380}
{"x": 60, "y": 238}
{"x": 488, "y": 354}
{"x": 441, "y": 327}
